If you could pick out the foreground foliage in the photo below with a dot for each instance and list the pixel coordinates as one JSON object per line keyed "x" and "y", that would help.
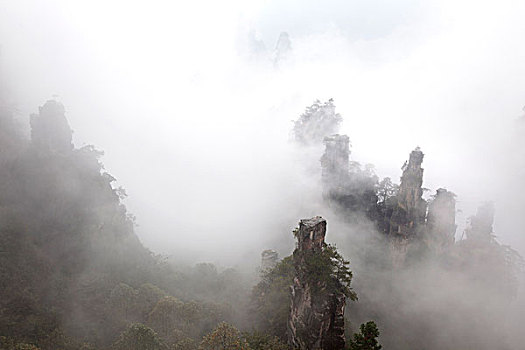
{"x": 329, "y": 270}
{"x": 224, "y": 337}
{"x": 271, "y": 299}
{"x": 139, "y": 337}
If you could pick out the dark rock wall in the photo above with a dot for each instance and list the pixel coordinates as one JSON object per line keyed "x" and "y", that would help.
{"x": 408, "y": 217}
{"x": 316, "y": 318}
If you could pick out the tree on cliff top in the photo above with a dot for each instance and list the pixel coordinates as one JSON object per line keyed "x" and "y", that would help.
{"x": 366, "y": 339}
{"x": 331, "y": 269}
{"x": 318, "y": 120}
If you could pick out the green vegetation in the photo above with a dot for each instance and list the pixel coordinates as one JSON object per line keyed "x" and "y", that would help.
{"x": 224, "y": 337}
{"x": 317, "y": 121}
{"x": 271, "y": 299}
{"x": 328, "y": 270}
{"x": 366, "y": 339}
{"x": 74, "y": 274}
{"x": 138, "y": 337}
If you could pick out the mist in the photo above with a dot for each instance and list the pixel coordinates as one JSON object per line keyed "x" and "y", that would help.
{"x": 194, "y": 107}
{"x": 203, "y": 113}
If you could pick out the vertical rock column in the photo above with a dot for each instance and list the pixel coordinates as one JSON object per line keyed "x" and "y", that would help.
{"x": 481, "y": 224}
{"x": 269, "y": 259}
{"x": 409, "y": 213}
{"x": 335, "y": 164}
{"x": 316, "y": 318}
{"x": 50, "y": 130}
{"x": 441, "y": 220}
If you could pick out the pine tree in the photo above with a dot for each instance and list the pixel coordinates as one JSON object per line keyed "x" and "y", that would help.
{"x": 366, "y": 339}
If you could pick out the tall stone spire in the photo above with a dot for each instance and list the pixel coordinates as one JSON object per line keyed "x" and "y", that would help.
{"x": 316, "y": 318}
{"x": 282, "y": 49}
{"x": 481, "y": 224}
{"x": 50, "y": 129}
{"x": 335, "y": 163}
{"x": 410, "y": 211}
{"x": 441, "y": 220}
{"x": 408, "y": 217}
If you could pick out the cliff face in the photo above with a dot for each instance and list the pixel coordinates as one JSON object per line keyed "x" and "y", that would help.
{"x": 316, "y": 318}
{"x": 441, "y": 220}
{"x": 283, "y": 49}
{"x": 50, "y": 129}
{"x": 481, "y": 224}
{"x": 335, "y": 163}
{"x": 346, "y": 186}
{"x": 269, "y": 259}
{"x": 408, "y": 216}
{"x": 480, "y": 255}
{"x": 66, "y": 238}
{"x": 410, "y": 211}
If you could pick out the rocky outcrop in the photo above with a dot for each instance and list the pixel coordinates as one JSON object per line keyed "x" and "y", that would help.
{"x": 411, "y": 207}
{"x": 481, "y": 224}
{"x": 50, "y": 129}
{"x": 441, "y": 220}
{"x": 316, "y": 318}
{"x": 408, "y": 217}
{"x": 346, "y": 187}
{"x": 269, "y": 259}
{"x": 335, "y": 163}
{"x": 283, "y": 49}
